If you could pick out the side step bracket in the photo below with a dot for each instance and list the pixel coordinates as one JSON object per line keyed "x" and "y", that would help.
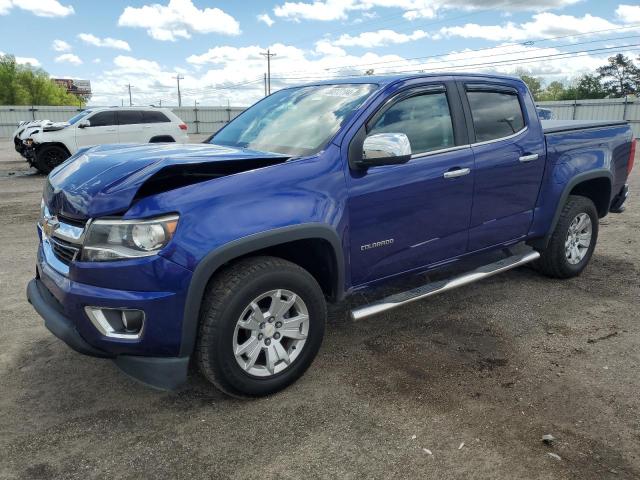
{"x": 424, "y": 291}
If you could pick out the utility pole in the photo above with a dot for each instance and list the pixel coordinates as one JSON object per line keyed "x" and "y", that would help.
{"x": 268, "y": 54}
{"x": 178, "y": 78}
{"x": 195, "y": 110}
{"x": 129, "y": 87}
{"x": 160, "y": 102}
{"x": 265, "y": 84}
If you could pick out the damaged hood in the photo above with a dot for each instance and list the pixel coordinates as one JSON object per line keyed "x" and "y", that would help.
{"x": 105, "y": 180}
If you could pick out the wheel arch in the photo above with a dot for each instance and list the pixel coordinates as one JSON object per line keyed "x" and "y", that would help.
{"x": 162, "y": 138}
{"x": 270, "y": 242}
{"x": 595, "y": 185}
{"x": 53, "y": 144}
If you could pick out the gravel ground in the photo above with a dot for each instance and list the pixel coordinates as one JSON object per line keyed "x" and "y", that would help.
{"x": 463, "y": 385}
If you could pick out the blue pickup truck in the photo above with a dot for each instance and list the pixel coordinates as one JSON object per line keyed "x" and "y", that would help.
{"x": 222, "y": 256}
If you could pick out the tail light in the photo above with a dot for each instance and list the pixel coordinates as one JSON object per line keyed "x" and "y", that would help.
{"x": 183, "y": 126}
{"x": 632, "y": 156}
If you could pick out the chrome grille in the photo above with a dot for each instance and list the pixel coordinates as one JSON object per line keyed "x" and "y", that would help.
{"x": 64, "y": 251}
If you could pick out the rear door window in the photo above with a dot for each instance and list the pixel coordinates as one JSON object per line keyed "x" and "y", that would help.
{"x": 130, "y": 117}
{"x": 495, "y": 114}
{"x": 425, "y": 119}
{"x": 103, "y": 119}
{"x": 150, "y": 116}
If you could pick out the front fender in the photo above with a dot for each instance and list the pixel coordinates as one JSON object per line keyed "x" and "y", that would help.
{"x": 243, "y": 246}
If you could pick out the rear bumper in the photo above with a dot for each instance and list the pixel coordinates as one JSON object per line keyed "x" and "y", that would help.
{"x": 166, "y": 373}
{"x": 617, "y": 205}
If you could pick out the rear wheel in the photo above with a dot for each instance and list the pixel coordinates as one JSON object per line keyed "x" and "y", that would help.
{"x": 262, "y": 324}
{"x": 573, "y": 240}
{"x": 49, "y": 157}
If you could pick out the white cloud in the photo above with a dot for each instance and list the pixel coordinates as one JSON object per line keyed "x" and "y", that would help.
{"x": 41, "y": 8}
{"x": 543, "y": 25}
{"x": 69, "y": 58}
{"x": 60, "y": 46}
{"x": 34, "y": 62}
{"x": 235, "y": 74}
{"x": 96, "y": 60}
{"x": 378, "y": 39}
{"x": 107, "y": 42}
{"x": 178, "y": 19}
{"x": 24, "y": 60}
{"x": 265, "y": 18}
{"x": 136, "y": 65}
{"x": 329, "y": 10}
{"x": 628, "y": 13}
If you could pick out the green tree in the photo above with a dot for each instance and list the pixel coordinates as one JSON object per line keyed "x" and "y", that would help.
{"x": 590, "y": 86}
{"x": 26, "y": 85}
{"x": 619, "y": 76}
{"x": 554, "y": 91}
{"x": 534, "y": 84}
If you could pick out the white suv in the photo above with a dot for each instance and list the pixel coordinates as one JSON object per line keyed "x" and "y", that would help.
{"x": 49, "y": 144}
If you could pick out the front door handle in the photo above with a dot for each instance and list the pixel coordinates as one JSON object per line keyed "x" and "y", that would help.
{"x": 528, "y": 158}
{"x": 458, "y": 172}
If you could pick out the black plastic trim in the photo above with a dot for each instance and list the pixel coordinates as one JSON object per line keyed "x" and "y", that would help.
{"x": 541, "y": 243}
{"x": 617, "y": 204}
{"x": 244, "y": 246}
{"x": 60, "y": 325}
{"x": 490, "y": 87}
{"x": 163, "y": 373}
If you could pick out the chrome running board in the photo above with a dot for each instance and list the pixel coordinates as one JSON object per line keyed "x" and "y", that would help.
{"x": 424, "y": 291}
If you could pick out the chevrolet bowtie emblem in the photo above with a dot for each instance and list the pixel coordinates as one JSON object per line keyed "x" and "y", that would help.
{"x": 49, "y": 225}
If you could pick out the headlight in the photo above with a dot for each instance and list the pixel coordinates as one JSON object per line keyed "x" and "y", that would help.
{"x": 121, "y": 239}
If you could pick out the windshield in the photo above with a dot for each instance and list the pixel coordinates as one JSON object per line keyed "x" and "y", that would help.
{"x": 296, "y": 121}
{"x": 77, "y": 117}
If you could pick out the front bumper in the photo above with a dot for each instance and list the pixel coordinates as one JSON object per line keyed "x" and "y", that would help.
{"x": 152, "y": 359}
{"x": 165, "y": 373}
{"x": 54, "y": 319}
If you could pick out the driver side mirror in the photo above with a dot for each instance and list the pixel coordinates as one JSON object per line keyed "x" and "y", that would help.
{"x": 385, "y": 149}
{"x": 84, "y": 124}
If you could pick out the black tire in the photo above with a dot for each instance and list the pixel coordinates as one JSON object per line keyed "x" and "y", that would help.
{"x": 49, "y": 157}
{"x": 162, "y": 139}
{"x": 553, "y": 261}
{"x": 228, "y": 295}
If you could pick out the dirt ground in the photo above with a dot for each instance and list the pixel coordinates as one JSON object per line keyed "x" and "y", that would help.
{"x": 463, "y": 385}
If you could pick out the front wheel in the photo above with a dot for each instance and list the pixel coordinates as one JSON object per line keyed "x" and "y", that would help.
{"x": 49, "y": 157}
{"x": 573, "y": 240}
{"x": 261, "y": 326}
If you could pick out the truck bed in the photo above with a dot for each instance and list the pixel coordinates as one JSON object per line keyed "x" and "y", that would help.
{"x": 557, "y": 126}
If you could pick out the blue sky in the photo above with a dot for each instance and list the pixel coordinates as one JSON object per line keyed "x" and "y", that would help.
{"x": 216, "y": 44}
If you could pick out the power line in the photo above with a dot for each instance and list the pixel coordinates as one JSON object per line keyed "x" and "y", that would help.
{"x": 529, "y": 42}
{"x": 424, "y": 69}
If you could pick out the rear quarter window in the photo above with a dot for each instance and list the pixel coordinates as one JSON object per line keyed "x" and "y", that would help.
{"x": 154, "y": 117}
{"x": 130, "y": 117}
{"x": 495, "y": 114}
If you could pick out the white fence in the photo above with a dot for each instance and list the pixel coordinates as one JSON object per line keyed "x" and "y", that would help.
{"x": 606, "y": 109}
{"x": 199, "y": 119}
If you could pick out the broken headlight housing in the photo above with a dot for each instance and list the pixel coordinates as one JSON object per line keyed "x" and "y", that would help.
{"x": 116, "y": 239}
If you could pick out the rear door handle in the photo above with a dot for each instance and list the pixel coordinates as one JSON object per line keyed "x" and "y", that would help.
{"x": 458, "y": 172}
{"x": 529, "y": 158}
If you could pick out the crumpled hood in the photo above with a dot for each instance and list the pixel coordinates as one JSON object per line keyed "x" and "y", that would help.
{"x": 104, "y": 180}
